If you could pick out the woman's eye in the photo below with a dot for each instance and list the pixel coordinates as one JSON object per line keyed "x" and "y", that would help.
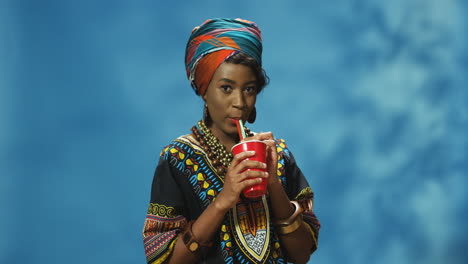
{"x": 250, "y": 89}
{"x": 226, "y": 88}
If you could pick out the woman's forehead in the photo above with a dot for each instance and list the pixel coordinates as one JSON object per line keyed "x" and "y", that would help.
{"x": 234, "y": 72}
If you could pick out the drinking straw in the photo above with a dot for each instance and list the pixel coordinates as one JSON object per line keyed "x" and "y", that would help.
{"x": 240, "y": 129}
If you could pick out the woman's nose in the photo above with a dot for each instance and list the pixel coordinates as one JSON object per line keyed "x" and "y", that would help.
{"x": 238, "y": 100}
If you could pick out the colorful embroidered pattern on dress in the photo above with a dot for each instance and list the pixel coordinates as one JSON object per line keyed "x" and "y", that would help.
{"x": 283, "y": 151}
{"x": 250, "y": 221}
{"x": 158, "y": 231}
{"x": 254, "y": 238}
{"x": 246, "y": 235}
{"x": 162, "y": 210}
{"x": 192, "y": 161}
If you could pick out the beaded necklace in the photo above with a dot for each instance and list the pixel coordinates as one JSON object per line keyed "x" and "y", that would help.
{"x": 217, "y": 153}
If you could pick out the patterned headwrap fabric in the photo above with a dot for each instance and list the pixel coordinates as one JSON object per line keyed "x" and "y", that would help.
{"x": 213, "y": 42}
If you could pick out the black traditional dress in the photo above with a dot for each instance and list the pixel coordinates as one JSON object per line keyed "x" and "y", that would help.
{"x": 186, "y": 182}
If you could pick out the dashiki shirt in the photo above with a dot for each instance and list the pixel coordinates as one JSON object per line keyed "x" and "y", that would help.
{"x": 185, "y": 183}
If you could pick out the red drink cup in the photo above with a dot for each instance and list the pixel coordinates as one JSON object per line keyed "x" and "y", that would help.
{"x": 259, "y": 147}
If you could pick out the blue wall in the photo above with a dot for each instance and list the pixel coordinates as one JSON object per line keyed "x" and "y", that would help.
{"x": 371, "y": 97}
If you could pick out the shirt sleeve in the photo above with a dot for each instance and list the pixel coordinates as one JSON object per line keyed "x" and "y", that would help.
{"x": 297, "y": 188}
{"x": 165, "y": 217}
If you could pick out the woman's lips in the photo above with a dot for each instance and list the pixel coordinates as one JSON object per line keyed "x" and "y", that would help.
{"x": 234, "y": 119}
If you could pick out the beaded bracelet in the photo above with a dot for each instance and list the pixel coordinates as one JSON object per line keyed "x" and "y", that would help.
{"x": 192, "y": 243}
{"x": 286, "y": 226}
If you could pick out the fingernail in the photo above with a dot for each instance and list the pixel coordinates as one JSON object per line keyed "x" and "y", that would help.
{"x": 264, "y": 165}
{"x": 266, "y": 174}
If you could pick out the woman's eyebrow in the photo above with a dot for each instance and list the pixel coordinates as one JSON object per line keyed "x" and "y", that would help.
{"x": 227, "y": 80}
{"x": 234, "y": 82}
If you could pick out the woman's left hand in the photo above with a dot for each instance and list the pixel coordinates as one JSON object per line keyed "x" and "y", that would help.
{"x": 271, "y": 154}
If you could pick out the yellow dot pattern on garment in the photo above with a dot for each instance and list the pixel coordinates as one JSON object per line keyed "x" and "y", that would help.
{"x": 278, "y": 171}
{"x": 164, "y": 151}
{"x": 205, "y": 185}
{"x": 278, "y": 149}
{"x": 181, "y": 155}
{"x": 173, "y": 150}
{"x": 275, "y": 252}
{"x": 200, "y": 176}
{"x": 226, "y": 236}
{"x": 189, "y": 162}
{"x": 210, "y": 192}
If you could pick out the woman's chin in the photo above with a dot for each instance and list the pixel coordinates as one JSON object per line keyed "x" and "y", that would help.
{"x": 232, "y": 133}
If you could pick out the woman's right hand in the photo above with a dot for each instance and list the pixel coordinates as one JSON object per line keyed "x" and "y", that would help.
{"x": 236, "y": 179}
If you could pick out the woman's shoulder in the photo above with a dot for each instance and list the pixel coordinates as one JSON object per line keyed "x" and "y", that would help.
{"x": 183, "y": 145}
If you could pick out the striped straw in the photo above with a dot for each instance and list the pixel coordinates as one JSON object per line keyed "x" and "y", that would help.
{"x": 240, "y": 129}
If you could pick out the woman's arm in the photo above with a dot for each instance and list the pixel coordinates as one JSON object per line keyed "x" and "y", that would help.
{"x": 297, "y": 244}
{"x": 203, "y": 230}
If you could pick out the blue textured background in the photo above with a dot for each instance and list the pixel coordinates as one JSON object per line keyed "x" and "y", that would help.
{"x": 371, "y": 97}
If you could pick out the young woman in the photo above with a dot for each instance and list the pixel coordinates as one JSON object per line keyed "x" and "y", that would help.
{"x": 197, "y": 213}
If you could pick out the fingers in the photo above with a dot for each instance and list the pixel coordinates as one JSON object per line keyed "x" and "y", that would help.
{"x": 239, "y": 181}
{"x": 252, "y": 174}
{"x": 250, "y": 164}
{"x": 241, "y": 156}
{"x": 249, "y": 169}
{"x": 249, "y": 182}
{"x": 264, "y": 136}
{"x": 242, "y": 168}
{"x": 270, "y": 143}
{"x": 261, "y": 136}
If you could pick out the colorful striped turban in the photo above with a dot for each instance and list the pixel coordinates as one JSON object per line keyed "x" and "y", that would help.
{"x": 213, "y": 42}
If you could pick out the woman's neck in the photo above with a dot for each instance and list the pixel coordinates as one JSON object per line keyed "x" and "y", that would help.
{"x": 227, "y": 140}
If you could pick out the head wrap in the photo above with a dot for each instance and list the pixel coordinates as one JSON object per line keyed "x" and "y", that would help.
{"x": 213, "y": 42}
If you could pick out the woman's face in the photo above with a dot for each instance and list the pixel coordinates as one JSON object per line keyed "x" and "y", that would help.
{"x": 231, "y": 95}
